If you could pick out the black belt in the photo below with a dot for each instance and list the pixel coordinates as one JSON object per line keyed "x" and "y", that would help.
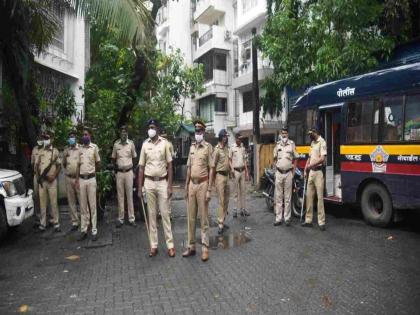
{"x": 239, "y": 169}
{"x": 156, "y": 178}
{"x": 224, "y": 173}
{"x": 71, "y": 176}
{"x": 87, "y": 176}
{"x": 124, "y": 171}
{"x": 284, "y": 172}
{"x": 318, "y": 168}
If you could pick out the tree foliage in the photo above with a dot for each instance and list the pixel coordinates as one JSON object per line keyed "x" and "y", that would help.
{"x": 168, "y": 83}
{"x": 312, "y": 42}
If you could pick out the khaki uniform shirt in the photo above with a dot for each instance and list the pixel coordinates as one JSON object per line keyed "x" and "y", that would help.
{"x": 124, "y": 153}
{"x": 238, "y": 155}
{"x": 46, "y": 155}
{"x": 88, "y": 157}
{"x": 318, "y": 149}
{"x": 285, "y": 153}
{"x": 155, "y": 157}
{"x": 221, "y": 158}
{"x": 200, "y": 159}
{"x": 34, "y": 155}
{"x": 71, "y": 159}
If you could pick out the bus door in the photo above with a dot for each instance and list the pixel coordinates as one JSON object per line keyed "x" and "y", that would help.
{"x": 331, "y": 122}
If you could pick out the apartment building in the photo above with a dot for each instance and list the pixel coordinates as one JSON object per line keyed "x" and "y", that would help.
{"x": 218, "y": 34}
{"x": 65, "y": 62}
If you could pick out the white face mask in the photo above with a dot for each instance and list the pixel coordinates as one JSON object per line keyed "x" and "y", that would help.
{"x": 199, "y": 138}
{"x": 284, "y": 138}
{"x": 151, "y": 133}
{"x": 40, "y": 143}
{"x": 47, "y": 143}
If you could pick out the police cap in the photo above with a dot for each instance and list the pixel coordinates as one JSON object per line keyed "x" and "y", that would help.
{"x": 153, "y": 121}
{"x": 199, "y": 125}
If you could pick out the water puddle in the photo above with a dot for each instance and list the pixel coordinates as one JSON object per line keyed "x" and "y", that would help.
{"x": 229, "y": 240}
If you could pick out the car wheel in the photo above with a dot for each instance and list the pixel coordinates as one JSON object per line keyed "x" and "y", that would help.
{"x": 376, "y": 205}
{"x": 3, "y": 223}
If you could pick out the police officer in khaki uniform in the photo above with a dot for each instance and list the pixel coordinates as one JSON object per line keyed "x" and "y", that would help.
{"x": 221, "y": 169}
{"x": 198, "y": 190}
{"x": 164, "y": 135}
{"x": 285, "y": 160}
{"x": 156, "y": 173}
{"x": 34, "y": 158}
{"x": 123, "y": 154}
{"x": 238, "y": 165}
{"x": 314, "y": 166}
{"x": 48, "y": 167}
{"x": 88, "y": 164}
{"x": 71, "y": 163}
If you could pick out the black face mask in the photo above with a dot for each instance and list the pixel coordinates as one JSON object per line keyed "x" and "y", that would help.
{"x": 312, "y": 137}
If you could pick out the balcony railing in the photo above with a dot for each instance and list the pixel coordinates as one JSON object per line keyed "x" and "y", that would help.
{"x": 205, "y": 37}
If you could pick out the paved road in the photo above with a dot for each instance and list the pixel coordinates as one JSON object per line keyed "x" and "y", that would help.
{"x": 351, "y": 268}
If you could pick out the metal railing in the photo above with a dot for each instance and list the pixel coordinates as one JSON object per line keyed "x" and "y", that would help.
{"x": 205, "y": 37}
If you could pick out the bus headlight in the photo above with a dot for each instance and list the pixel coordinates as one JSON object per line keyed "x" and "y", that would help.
{"x": 10, "y": 188}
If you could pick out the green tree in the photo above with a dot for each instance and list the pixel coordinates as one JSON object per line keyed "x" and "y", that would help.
{"x": 169, "y": 82}
{"x": 312, "y": 42}
{"x": 28, "y": 26}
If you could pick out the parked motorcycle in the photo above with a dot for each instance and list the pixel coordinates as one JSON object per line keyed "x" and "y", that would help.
{"x": 268, "y": 183}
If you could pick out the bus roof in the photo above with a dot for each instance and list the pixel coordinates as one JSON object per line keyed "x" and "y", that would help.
{"x": 402, "y": 78}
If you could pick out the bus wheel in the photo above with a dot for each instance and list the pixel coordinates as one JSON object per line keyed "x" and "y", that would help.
{"x": 376, "y": 205}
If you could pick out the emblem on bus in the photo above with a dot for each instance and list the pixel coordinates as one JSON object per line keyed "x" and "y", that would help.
{"x": 379, "y": 158}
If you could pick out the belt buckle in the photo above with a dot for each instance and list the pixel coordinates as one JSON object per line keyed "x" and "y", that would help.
{"x": 156, "y": 178}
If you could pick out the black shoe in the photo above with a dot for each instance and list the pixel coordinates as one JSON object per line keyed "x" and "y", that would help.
{"x": 225, "y": 227}
{"x": 277, "y": 223}
{"x": 288, "y": 223}
{"x": 235, "y": 214}
{"x": 57, "y": 229}
{"x": 322, "y": 227}
{"x": 82, "y": 236}
{"x": 119, "y": 224}
{"x": 305, "y": 224}
{"x": 41, "y": 229}
{"x": 220, "y": 231}
{"x": 74, "y": 228}
{"x": 245, "y": 213}
{"x": 94, "y": 237}
{"x": 132, "y": 223}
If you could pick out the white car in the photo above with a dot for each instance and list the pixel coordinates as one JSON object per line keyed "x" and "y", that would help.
{"x": 16, "y": 202}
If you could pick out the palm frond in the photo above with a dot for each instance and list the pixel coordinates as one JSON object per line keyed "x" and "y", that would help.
{"x": 130, "y": 17}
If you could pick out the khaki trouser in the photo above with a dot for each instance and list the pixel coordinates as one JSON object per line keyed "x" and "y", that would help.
{"x": 222, "y": 188}
{"x": 284, "y": 184}
{"x": 240, "y": 189}
{"x": 125, "y": 186}
{"x": 315, "y": 185}
{"x": 72, "y": 193}
{"x": 48, "y": 191}
{"x": 36, "y": 199}
{"x": 88, "y": 196}
{"x": 157, "y": 197}
{"x": 197, "y": 199}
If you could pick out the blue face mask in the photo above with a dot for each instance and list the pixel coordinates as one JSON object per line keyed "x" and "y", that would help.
{"x": 71, "y": 141}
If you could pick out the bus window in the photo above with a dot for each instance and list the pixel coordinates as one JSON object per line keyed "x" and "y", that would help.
{"x": 393, "y": 118}
{"x": 412, "y": 118}
{"x": 359, "y": 122}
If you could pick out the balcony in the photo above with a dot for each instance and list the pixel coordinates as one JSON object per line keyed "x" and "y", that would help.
{"x": 208, "y": 11}
{"x": 215, "y": 38}
{"x": 162, "y": 21}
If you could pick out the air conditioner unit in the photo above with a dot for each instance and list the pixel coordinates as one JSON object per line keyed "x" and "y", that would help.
{"x": 228, "y": 35}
